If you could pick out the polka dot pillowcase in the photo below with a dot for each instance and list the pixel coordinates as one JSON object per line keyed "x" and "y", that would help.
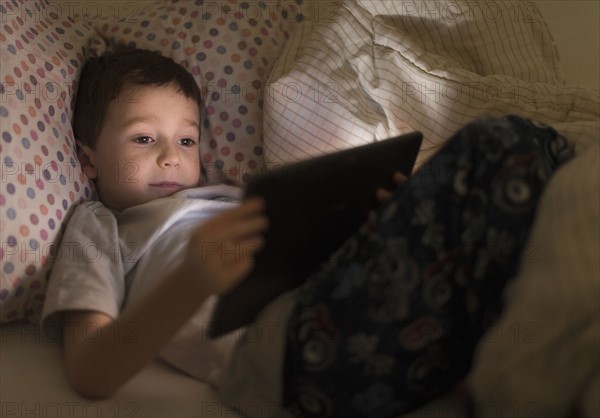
{"x": 42, "y": 52}
{"x": 230, "y": 47}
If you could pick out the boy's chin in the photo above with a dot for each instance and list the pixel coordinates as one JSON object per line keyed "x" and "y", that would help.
{"x": 165, "y": 190}
{"x": 153, "y": 193}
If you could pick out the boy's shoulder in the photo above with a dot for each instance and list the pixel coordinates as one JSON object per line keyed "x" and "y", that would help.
{"x": 89, "y": 221}
{"x": 91, "y": 212}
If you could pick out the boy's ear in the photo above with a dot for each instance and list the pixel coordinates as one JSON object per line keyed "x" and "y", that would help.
{"x": 84, "y": 155}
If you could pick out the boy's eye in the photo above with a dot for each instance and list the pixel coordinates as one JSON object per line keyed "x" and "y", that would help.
{"x": 143, "y": 140}
{"x": 187, "y": 142}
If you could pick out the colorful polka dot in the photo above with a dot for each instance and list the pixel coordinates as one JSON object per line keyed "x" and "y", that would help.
{"x": 47, "y": 48}
{"x": 229, "y": 54}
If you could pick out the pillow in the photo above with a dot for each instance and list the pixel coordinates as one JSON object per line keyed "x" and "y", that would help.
{"x": 42, "y": 52}
{"x": 368, "y": 70}
{"x": 230, "y": 48}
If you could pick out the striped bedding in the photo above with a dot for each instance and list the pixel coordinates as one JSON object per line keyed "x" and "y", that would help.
{"x": 362, "y": 71}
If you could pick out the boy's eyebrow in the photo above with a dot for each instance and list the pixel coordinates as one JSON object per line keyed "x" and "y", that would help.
{"x": 148, "y": 119}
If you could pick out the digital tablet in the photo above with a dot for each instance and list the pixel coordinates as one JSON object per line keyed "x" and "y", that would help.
{"x": 313, "y": 206}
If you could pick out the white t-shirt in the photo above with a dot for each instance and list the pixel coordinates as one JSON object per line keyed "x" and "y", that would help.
{"x": 107, "y": 260}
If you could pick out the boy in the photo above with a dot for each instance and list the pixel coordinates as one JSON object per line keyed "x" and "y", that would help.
{"x": 137, "y": 124}
{"x": 436, "y": 257}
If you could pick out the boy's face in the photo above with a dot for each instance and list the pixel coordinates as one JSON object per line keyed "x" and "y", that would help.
{"x": 147, "y": 148}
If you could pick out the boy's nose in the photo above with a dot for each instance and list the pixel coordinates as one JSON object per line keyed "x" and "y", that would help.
{"x": 169, "y": 157}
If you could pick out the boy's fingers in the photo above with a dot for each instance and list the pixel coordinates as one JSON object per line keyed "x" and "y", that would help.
{"x": 239, "y": 251}
{"x": 249, "y": 248}
{"x": 249, "y": 227}
{"x": 246, "y": 210}
{"x": 249, "y": 219}
{"x": 250, "y": 206}
{"x": 382, "y": 195}
{"x": 399, "y": 178}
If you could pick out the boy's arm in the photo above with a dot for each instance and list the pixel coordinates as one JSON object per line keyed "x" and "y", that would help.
{"x": 101, "y": 353}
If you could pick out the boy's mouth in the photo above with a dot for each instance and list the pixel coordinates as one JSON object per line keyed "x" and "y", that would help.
{"x": 167, "y": 185}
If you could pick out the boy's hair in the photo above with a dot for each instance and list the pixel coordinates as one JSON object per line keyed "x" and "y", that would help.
{"x": 103, "y": 78}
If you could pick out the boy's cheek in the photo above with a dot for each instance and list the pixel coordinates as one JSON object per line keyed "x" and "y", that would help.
{"x": 126, "y": 172}
{"x": 118, "y": 172}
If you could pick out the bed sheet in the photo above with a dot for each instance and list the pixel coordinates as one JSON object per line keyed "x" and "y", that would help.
{"x": 33, "y": 383}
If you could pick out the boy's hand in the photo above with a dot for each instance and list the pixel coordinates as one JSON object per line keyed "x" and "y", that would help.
{"x": 384, "y": 195}
{"x": 221, "y": 250}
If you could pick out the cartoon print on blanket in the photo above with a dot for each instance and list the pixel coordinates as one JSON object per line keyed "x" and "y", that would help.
{"x": 392, "y": 320}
